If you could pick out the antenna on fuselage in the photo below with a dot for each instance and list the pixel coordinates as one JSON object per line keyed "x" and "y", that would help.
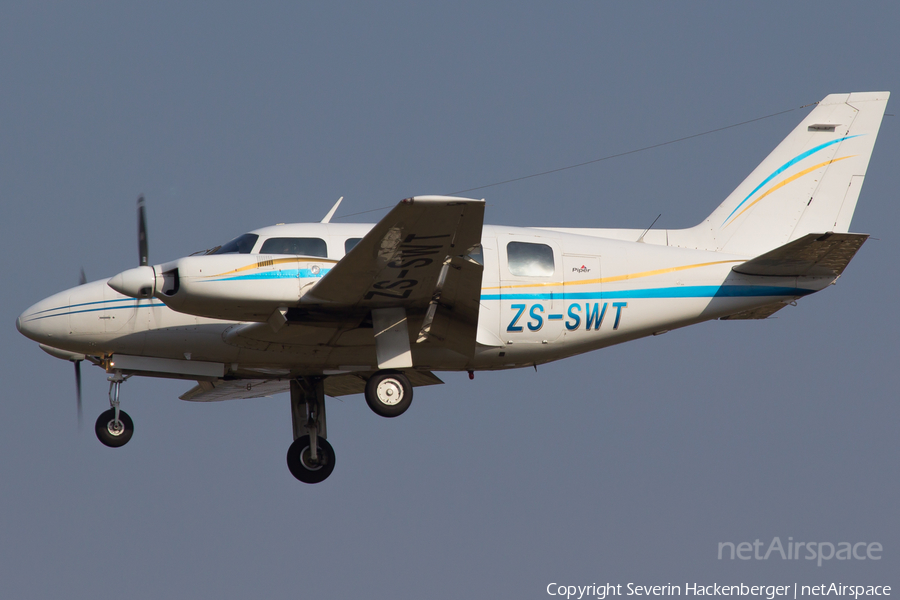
{"x": 641, "y": 239}
{"x": 331, "y": 212}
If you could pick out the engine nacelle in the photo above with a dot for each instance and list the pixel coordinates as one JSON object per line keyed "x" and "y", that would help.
{"x": 236, "y": 287}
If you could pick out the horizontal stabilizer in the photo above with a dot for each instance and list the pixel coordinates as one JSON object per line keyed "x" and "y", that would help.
{"x": 760, "y": 312}
{"x": 813, "y": 255}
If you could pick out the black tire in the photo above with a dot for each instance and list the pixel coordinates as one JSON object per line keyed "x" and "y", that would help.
{"x": 298, "y": 456}
{"x": 108, "y": 434}
{"x": 388, "y": 393}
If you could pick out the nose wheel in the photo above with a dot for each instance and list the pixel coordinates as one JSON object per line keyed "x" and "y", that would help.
{"x": 114, "y": 427}
{"x": 114, "y": 432}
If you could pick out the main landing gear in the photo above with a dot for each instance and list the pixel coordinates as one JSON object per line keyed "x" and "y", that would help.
{"x": 310, "y": 458}
{"x": 388, "y": 393}
{"x": 114, "y": 427}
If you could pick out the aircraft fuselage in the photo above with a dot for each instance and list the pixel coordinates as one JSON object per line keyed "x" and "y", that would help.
{"x": 589, "y": 293}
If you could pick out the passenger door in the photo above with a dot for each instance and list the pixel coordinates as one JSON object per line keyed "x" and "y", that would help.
{"x": 531, "y": 289}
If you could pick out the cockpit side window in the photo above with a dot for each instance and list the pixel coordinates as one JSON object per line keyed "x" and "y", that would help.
{"x": 240, "y": 245}
{"x": 350, "y": 244}
{"x": 529, "y": 260}
{"x": 302, "y": 246}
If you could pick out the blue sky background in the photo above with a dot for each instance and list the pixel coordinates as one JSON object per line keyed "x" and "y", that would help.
{"x": 628, "y": 464}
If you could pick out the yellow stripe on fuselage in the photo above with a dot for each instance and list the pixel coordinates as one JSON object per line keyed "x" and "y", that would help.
{"x": 617, "y": 277}
{"x": 276, "y": 261}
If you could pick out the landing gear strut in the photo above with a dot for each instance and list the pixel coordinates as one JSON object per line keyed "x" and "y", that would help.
{"x": 310, "y": 458}
{"x": 114, "y": 427}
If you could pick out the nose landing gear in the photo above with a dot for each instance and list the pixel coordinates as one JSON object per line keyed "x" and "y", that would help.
{"x": 114, "y": 427}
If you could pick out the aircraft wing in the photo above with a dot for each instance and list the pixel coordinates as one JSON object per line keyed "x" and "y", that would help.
{"x": 400, "y": 261}
{"x": 335, "y": 385}
{"x": 415, "y": 271}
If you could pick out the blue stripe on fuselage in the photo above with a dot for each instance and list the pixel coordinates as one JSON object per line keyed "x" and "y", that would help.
{"x": 687, "y": 291}
{"x": 87, "y": 310}
{"x": 281, "y": 274}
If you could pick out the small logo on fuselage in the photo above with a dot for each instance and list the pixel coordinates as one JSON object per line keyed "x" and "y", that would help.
{"x": 581, "y": 269}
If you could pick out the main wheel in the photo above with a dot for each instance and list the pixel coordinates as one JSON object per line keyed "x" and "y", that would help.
{"x": 299, "y": 460}
{"x": 389, "y": 394}
{"x": 113, "y": 434}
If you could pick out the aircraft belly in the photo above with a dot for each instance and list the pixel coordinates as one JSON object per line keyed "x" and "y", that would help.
{"x": 129, "y": 343}
{"x": 302, "y": 346}
{"x": 289, "y": 335}
{"x": 200, "y": 341}
{"x": 326, "y": 348}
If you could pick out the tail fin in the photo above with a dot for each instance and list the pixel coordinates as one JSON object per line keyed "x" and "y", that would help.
{"x": 809, "y": 184}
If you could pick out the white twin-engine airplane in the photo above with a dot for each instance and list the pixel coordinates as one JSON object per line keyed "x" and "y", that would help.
{"x": 336, "y": 309}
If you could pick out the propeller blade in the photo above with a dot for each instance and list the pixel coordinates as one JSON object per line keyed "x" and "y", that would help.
{"x": 78, "y": 389}
{"x": 142, "y": 232}
{"x": 82, "y": 279}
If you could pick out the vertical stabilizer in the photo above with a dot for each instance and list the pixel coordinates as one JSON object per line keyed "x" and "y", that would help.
{"x": 809, "y": 184}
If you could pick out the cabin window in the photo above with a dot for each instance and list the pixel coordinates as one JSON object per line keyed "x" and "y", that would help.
{"x": 240, "y": 245}
{"x": 302, "y": 246}
{"x": 350, "y": 244}
{"x": 529, "y": 260}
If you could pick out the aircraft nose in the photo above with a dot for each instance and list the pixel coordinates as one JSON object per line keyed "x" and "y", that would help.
{"x": 24, "y": 325}
{"x": 42, "y": 321}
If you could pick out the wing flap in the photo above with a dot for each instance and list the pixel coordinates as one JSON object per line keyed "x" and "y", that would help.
{"x": 813, "y": 255}
{"x": 452, "y": 317}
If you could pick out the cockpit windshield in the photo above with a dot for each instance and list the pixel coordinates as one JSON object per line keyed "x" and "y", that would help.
{"x": 240, "y": 245}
